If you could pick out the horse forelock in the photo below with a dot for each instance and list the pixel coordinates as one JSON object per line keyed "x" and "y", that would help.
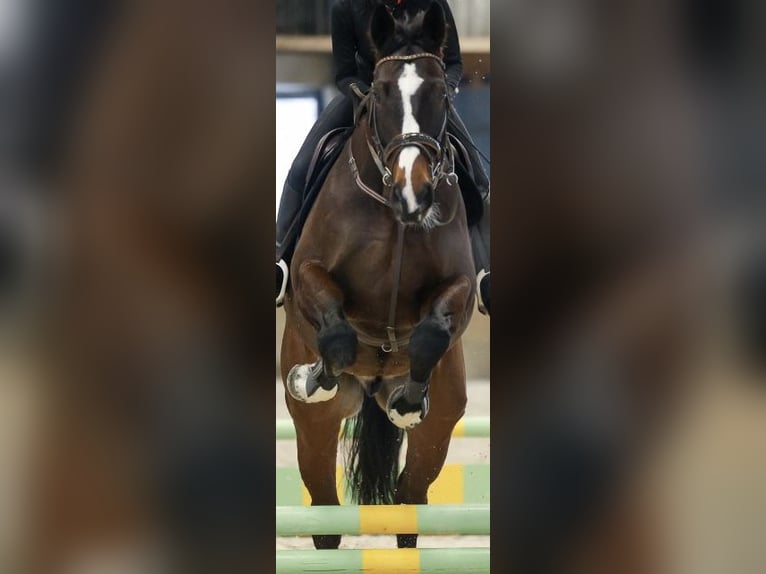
{"x": 408, "y": 37}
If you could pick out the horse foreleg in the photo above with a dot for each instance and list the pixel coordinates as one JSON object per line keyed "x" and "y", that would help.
{"x": 428, "y": 443}
{"x": 321, "y": 301}
{"x": 448, "y": 315}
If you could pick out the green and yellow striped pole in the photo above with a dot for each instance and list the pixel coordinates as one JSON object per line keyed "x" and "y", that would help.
{"x": 401, "y": 561}
{"x": 441, "y": 519}
{"x": 456, "y": 484}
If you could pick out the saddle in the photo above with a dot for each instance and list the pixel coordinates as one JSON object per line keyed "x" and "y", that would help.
{"x": 327, "y": 151}
{"x": 324, "y": 156}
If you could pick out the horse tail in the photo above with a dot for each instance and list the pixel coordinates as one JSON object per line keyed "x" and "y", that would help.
{"x": 372, "y": 456}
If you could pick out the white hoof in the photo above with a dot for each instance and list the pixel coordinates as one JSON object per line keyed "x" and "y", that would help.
{"x": 303, "y": 387}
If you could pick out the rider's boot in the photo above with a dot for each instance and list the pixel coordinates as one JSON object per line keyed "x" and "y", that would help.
{"x": 289, "y": 207}
{"x": 479, "y": 231}
{"x": 481, "y": 252}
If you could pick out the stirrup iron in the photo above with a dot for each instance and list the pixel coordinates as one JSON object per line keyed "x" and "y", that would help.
{"x": 283, "y": 288}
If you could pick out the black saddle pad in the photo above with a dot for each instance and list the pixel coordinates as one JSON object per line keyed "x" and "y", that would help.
{"x": 325, "y": 155}
{"x": 327, "y": 152}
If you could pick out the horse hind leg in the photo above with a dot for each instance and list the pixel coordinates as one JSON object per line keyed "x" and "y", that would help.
{"x": 428, "y": 442}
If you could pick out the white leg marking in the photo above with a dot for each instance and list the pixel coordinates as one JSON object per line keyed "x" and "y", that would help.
{"x": 409, "y": 82}
{"x": 405, "y": 421}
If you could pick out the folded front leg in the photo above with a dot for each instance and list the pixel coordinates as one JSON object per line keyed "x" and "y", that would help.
{"x": 449, "y": 311}
{"x": 320, "y": 300}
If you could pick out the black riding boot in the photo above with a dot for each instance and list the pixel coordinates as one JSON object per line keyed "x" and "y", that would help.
{"x": 480, "y": 247}
{"x": 479, "y": 180}
{"x": 479, "y": 176}
{"x": 338, "y": 113}
{"x": 289, "y": 207}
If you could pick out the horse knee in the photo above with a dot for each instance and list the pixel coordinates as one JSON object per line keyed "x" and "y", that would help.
{"x": 430, "y": 340}
{"x": 338, "y": 347}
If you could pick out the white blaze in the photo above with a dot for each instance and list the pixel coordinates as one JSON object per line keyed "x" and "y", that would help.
{"x": 409, "y": 82}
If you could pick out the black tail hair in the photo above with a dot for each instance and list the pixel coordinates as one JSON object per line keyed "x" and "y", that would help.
{"x": 372, "y": 456}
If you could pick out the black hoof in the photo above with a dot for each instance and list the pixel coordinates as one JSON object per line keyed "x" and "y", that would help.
{"x": 326, "y": 541}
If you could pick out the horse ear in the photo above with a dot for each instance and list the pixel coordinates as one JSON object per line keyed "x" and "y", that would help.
{"x": 435, "y": 28}
{"x": 381, "y": 27}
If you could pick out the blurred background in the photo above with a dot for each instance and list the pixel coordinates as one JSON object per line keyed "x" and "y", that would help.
{"x": 627, "y": 337}
{"x": 136, "y": 169}
{"x": 134, "y": 138}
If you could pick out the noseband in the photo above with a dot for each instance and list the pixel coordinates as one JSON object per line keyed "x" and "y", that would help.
{"x": 438, "y": 150}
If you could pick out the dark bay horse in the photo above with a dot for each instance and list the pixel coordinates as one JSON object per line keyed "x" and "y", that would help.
{"x": 382, "y": 287}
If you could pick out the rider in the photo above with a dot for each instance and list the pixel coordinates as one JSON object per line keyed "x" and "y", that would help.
{"x": 354, "y": 65}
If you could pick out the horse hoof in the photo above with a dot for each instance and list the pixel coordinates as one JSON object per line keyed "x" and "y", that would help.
{"x": 303, "y": 386}
{"x": 407, "y": 540}
{"x": 326, "y": 541}
{"x": 403, "y": 414}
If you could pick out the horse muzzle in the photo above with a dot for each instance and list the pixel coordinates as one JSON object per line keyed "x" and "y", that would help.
{"x": 412, "y": 207}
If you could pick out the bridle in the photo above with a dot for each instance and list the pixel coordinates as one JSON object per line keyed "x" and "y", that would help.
{"x": 441, "y": 160}
{"x": 438, "y": 150}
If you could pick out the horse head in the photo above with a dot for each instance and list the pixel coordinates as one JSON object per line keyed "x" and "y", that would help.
{"x": 408, "y": 110}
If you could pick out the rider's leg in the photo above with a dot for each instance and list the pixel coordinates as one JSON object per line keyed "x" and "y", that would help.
{"x": 480, "y": 246}
{"x": 479, "y": 231}
{"x": 338, "y": 113}
{"x": 480, "y": 178}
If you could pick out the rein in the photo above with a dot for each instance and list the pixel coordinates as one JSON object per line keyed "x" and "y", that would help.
{"x": 442, "y": 162}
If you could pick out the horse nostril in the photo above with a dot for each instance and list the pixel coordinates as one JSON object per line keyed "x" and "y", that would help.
{"x": 399, "y": 199}
{"x": 397, "y": 191}
{"x": 426, "y": 197}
